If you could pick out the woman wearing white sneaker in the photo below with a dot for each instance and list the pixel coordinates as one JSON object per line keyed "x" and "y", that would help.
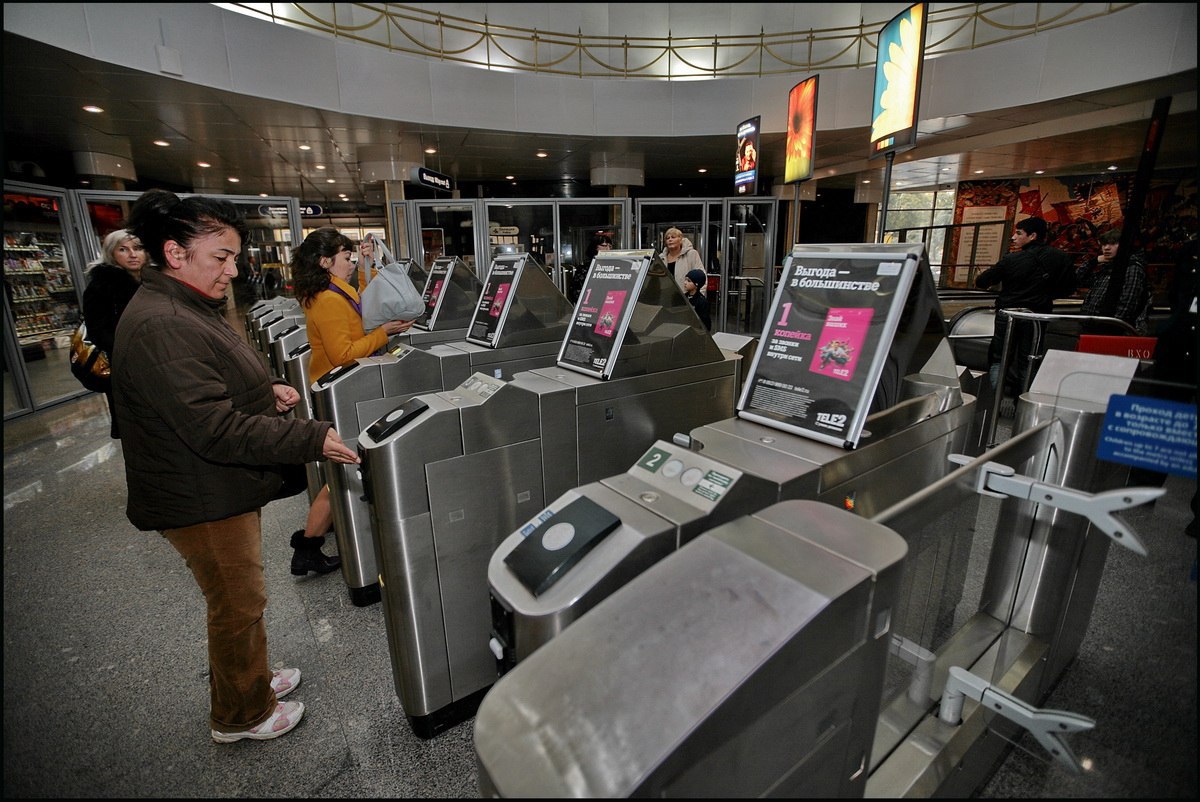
{"x": 203, "y": 440}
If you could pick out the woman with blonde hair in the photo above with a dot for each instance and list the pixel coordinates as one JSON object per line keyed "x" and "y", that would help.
{"x": 680, "y": 256}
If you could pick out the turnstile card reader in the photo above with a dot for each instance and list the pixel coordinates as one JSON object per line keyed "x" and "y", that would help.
{"x": 749, "y": 663}
{"x": 558, "y": 542}
{"x": 282, "y": 343}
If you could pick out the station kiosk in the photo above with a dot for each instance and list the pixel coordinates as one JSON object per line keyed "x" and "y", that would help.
{"x": 449, "y": 474}
{"x": 516, "y": 322}
{"x": 852, "y": 399}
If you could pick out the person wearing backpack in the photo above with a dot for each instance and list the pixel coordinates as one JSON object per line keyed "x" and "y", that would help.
{"x": 1030, "y": 277}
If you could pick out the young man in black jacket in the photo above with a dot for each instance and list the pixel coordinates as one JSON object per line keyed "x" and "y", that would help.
{"x": 1029, "y": 278}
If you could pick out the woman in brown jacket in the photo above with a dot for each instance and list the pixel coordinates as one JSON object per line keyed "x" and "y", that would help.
{"x": 203, "y": 440}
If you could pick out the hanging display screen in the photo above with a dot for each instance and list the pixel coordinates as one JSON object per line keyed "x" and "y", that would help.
{"x": 496, "y": 298}
{"x": 898, "y": 65}
{"x": 602, "y": 314}
{"x": 745, "y": 175}
{"x": 825, "y": 342}
{"x": 802, "y": 123}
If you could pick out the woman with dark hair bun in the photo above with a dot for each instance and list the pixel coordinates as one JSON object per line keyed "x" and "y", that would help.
{"x": 204, "y": 440}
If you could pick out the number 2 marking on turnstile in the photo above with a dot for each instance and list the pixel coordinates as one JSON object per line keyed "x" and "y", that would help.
{"x": 787, "y": 310}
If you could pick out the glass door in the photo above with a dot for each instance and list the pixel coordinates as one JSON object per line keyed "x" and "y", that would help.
{"x": 748, "y": 259}
{"x": 581, "y": 225}
{"x": 447, "y": 228}
{"x": 523, "y": 226}
{"x": 43, "y": 287}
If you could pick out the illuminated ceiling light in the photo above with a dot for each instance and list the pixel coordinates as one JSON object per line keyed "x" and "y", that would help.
{"x": 945, "y": 169}
{"x": 866, "y": 180}
{"x": 514, "y": 183}
{"x": 330, "y": 181}
{"x": 431, "y": 150}
{"x": 702, "y": 170}
{"x": 1112, "y": 166}
{"x": 1039, "y": 172}
{"x": 899, "y": 183}
{"x": 977, "y": 172}
{"x": 262, "y": 194}
{"x": 306, "y": 147}
{"x": 320, "y": 167}
{"x": 85, "y": 182}
{"x": 162, "y": 143}
{"x": 509, "y": 177}
{"x": 233, "y": 180}
{"x": 541, "y": 154}
{"x": 203, "y": 164}
{"x": 93, "y": 109}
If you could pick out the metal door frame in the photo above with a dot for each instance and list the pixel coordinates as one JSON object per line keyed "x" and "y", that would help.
{"x": 769, "y": 282}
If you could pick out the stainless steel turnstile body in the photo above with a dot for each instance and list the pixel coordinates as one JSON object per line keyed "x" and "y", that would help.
{"x": 492, "y": 452}
{"x": 731, "y": 467}
{"x": 284, "y": 341}
{"x": 356, "y": 395}
{"x": 774, "y": 691}
{"x": 295, "y": 371}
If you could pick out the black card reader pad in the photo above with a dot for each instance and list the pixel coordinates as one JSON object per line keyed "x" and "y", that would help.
{"x": 558, "y": 542}
{"x": 395, "y": 420}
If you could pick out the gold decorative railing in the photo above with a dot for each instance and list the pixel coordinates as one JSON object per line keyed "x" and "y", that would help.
{"x": 432, "y": 34}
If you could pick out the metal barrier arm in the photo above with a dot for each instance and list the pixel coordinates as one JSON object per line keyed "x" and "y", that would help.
{"x": 1001, "y": 481}
{"x": 1047, "y": 726}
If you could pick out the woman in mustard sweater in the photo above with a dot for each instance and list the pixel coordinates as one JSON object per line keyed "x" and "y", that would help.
{"x": 321, "y": 270}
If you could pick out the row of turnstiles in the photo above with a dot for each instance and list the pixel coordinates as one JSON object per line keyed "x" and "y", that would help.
{"x": 586, "y": 532}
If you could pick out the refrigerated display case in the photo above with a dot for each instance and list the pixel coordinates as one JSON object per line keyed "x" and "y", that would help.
{"x": 43, "y": 281}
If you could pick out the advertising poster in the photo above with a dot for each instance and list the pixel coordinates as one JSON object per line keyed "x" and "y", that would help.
{"x": 494, "y": 301}
{"x": 802, "y": 121}
{"x": 745, "y": 168}
{"x": 898, "y": 82}
{"x": 602, "y": 314}
{"x": 432, "y": 293}
{"x": 825, "y": 343}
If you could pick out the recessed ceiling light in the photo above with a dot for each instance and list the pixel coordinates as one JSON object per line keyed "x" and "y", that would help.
{"x": 203, "y": 164}
{"x": 945, "y": 169}
{"x": 306, "y": 147}
{"x": 514, "y": 183}
{"x": 509, "y": 177}
{"x": 1039, "y": 172}
{"x": 899, "y": 183}
{"x": 1112, "y": 166}
{"x": 330, "y": 181}
{"x": 233, "y": 180}
{"x": 85, "y": 181}
{"x": 431, "y": 150}
{"x": 342, "y": 195}
{"x": 162, "y": 143}
{"x": 262, "y": 194}
{"x": 977, "y": 172}
{"x": 866, "y": 180}
{"x": 541, "y": 154}
{"x": 93, "y": 109}
{"x": 702, "y": 170}
{"x": 320, "y": 167}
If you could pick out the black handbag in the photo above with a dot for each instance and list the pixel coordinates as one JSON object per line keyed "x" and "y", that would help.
{"x": 295, "y": 480}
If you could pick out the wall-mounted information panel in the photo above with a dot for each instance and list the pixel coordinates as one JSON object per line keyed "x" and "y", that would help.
{"x": 827, "y": 339}
{"x": 603, "y": 312}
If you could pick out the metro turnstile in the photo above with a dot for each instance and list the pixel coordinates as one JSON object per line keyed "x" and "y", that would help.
{"x": 678, "y": 489}
{"x": 283, "y": 341}
{"x": 941, "y": 728}
{"x": 610, "y": 711}
{"x": 492, "y": 452}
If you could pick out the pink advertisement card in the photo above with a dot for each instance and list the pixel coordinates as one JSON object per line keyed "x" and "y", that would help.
{"x": 610, "y": 312}
{"x": 841, "y": 341}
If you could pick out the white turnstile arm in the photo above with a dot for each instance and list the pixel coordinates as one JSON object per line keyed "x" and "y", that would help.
{"x": 1047, "y": 726}
{"x": 1001, "y": 481}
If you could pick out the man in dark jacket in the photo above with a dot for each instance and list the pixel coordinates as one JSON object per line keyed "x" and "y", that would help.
{"x": 1030, "y": 277}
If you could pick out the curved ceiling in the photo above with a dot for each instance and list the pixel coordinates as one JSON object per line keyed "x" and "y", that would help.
{"x": 258, "y": 140}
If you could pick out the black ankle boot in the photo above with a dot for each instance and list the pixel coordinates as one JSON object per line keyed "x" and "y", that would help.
{"x": 308, "y": 555}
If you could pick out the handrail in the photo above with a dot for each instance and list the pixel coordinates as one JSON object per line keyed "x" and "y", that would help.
{"x": 1006, "y": 350}
{"x": 426, "y": 32}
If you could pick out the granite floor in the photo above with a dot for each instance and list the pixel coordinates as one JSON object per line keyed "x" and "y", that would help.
{"x": 105, "y": 691}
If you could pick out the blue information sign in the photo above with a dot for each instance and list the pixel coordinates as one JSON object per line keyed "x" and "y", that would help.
{"x": 1150, "y": 433}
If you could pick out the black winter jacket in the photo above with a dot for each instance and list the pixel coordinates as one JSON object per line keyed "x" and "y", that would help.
{"x": 199, "y": 430}
{"x": 109, "y": 290}
{"x": 1030, "y": 278}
